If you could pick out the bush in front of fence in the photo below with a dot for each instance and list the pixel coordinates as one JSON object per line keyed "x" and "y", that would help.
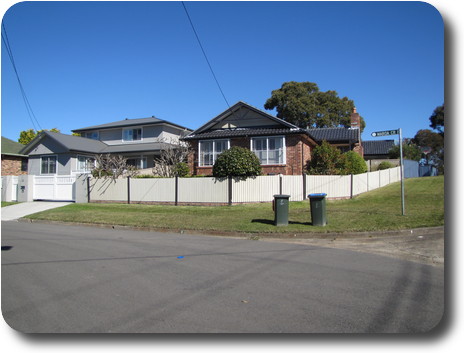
{"x": 237, "y": 162}
{"x": 353, "y": 163}
{"x": 385, "y": 165}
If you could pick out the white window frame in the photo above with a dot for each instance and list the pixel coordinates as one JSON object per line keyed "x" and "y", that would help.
{"x": 132, "y": 129}
{"x": 56, "y": 165}
{"x": 284, "y": 149}
{"x": 215, "y": 154}
{"x": 84, "y": 170}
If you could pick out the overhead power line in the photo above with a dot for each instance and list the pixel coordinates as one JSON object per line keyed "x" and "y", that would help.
{"x": 29, "y": 110}
{"x": 204, "y": 54}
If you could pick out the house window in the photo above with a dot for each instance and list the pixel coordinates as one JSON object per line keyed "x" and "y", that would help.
{"x": 48, "y": 165}
{"x": 24, "y": 163}
{"x": 139, "y": 162}
{"x": 85, "y": 163}
{"x": 269, "y": 150}
{"x": 132, "y": 134}
{"x": 209, "y": 150}
{"x": 91, "y": 135}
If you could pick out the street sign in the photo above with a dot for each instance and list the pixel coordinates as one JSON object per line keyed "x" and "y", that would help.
{"x": 385, "y": 133}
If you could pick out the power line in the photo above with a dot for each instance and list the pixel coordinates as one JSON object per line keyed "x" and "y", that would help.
{"x": 204, "y": 54}
{"x": 29, "y": 110}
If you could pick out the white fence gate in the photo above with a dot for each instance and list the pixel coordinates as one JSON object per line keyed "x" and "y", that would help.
{"x": 54, "y": 187}
{"x": 10, "y": 188}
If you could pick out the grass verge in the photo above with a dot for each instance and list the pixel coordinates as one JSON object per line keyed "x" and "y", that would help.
{"x": 376, "y": 210}
{"x": 5, "y": 203}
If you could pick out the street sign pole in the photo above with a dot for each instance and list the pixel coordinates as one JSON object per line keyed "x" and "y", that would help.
{"x": 389, "y": 133}
{"x": 401, "y": 172}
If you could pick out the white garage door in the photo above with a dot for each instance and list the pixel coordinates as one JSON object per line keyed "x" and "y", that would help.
{"x": 54, "y": 187}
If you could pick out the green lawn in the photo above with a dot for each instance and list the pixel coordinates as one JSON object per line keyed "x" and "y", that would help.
{"x": 5, "y": 203}
{"x": 377, "y": 210}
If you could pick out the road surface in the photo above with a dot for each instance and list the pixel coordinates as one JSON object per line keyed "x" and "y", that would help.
{"x": 61, "y": 278}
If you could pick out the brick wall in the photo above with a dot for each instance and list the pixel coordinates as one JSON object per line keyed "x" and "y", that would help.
{"x": 298, "y": 152}
{"x": 11, "y": 165}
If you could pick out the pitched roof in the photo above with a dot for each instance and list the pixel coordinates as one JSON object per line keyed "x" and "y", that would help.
{"x": 275, "y": 126}
{"x": 377, "y": 147}
{"x": 224, "y": 133}
{"x": 12, "y": 148}
{"x": 83, "y": 144}
{"x": 69, "y": 142}
{"x": 333, "y": 134}
{"x": 130, "y": 122}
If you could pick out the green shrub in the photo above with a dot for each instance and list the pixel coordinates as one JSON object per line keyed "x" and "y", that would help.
{"x": 237, "y": 162}
{"x": 145, "y": 176}
{"x": 385, "y": 165}
{"x": 326, "y": 160}
{"x": 353, "y": 163}
{"x": 182, "y": 170}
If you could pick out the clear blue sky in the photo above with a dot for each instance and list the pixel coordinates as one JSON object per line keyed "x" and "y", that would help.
{"x": 88, "y": 63}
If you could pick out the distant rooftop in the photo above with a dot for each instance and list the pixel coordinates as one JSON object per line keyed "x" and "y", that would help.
{"x": 129, "y": 122}
{"x": 11, "y": 147}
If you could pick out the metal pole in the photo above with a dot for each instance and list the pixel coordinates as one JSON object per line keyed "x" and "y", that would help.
{"x": 401, "y": 172}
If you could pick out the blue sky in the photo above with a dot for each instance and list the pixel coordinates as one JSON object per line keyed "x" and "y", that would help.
{"x": 88, "y": 63}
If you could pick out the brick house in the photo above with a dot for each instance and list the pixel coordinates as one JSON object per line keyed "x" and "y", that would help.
{"x": 13, "y": 162}
{"x": 282, "y": 148}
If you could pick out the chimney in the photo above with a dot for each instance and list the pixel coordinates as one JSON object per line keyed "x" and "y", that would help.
{"x": 355, "y": 120}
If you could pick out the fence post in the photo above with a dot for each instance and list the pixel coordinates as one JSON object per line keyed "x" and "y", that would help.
{"x": 176, "y": 195}
{"x": 88, "y": 189}
{"x": 352, "y": 186}
{"x": 230, "y": 190}
{"x": 304, "y": 186}
{"x": 128, "y": 189}
{"x": 280, "y": 184}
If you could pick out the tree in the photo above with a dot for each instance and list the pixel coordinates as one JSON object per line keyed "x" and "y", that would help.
{"x": 304, "y": 105}
{"x": 171, "y": 161}
{"x": 27, "y": 136}
{"x": 237, "y": 162}
{"x": 353, "y": 163}
{"x": 410, "y": 151}
{"x": 112, "y": 166}
{"x": 326, "y": 160}
{"x": 437, "y": 119}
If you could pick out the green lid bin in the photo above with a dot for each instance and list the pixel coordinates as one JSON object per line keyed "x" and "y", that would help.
{"x": 318, "y": 209}
{"x": 281, "y": 210}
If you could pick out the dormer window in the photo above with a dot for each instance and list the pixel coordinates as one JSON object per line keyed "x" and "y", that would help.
{"x": 132, "y": 134}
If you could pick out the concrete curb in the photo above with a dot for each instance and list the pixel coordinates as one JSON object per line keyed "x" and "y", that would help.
{"x": 309, "y": 235}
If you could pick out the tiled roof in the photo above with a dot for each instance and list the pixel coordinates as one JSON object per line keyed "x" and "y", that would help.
{"x": 223, "y": 133}
{"x": 377, "y": 147}
{"x": 11, "y": 147}
{"x": 82, "y": 144}
{"x": 333, "y": 134}
{"x": 129, "y": 122}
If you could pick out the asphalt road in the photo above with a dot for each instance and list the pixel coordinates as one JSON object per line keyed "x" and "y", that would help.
{"x": 60, "y": 278}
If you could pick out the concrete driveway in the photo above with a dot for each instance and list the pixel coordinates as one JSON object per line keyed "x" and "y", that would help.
{"x": 10, "y": 213}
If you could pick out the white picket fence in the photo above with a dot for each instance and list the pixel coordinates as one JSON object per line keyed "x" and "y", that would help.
{"x": 260, "y": 189}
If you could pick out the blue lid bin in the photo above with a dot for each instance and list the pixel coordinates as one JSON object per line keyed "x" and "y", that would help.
{"x": 318, "y": 209}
